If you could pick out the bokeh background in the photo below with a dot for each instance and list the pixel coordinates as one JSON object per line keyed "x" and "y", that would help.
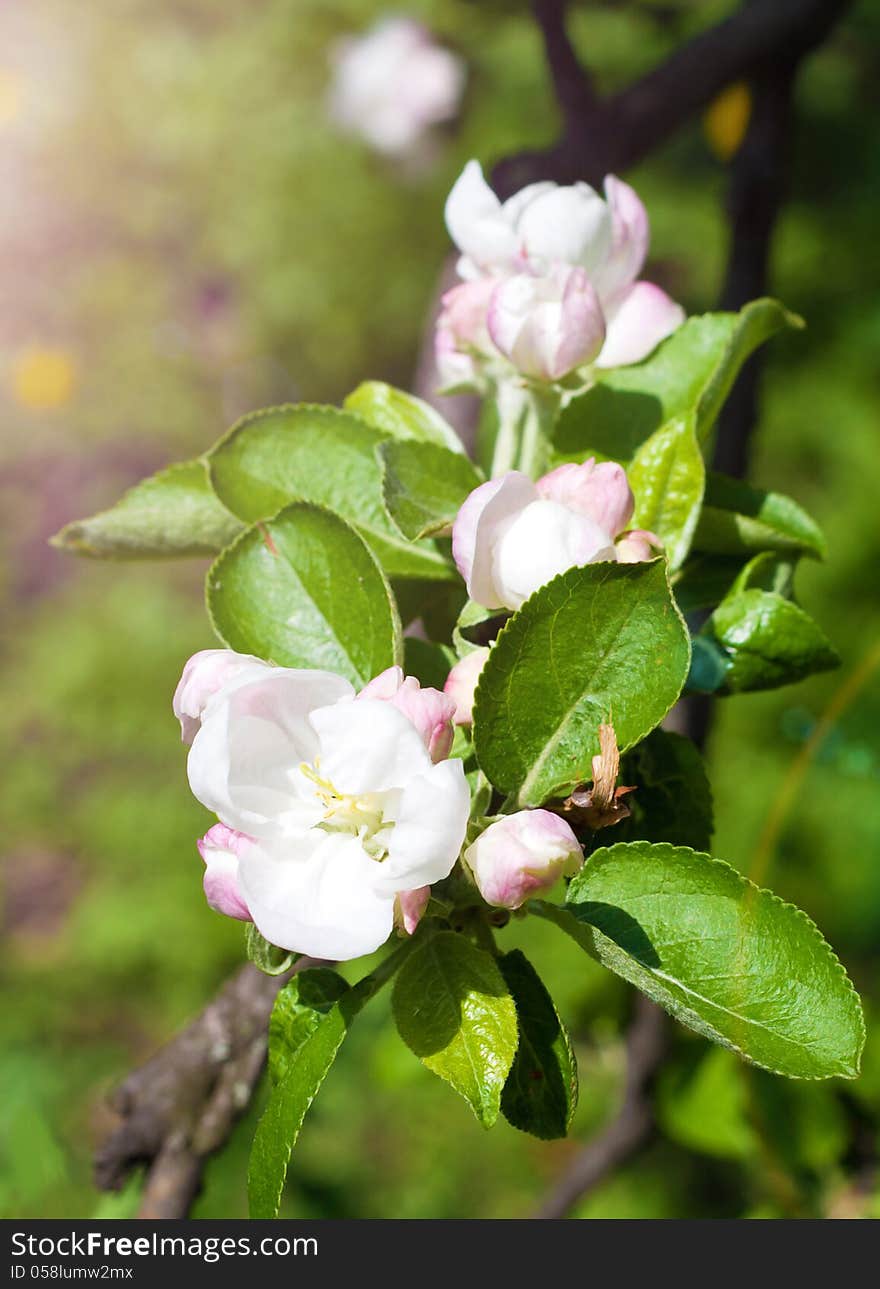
{"x": 184, "y": 236}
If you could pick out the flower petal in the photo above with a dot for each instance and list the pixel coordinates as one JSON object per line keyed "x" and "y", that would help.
{"x": 569, "y": 224}
{"x": 637, "y": 323}
{"x": 221, "y": 849}
{"x": 475, "y": 220}
{"x": 601, "y": 492}
{"x": 541, "y": 541}
{"x": 630, "y": 235}
{"x": 521, "y": 855}
{"x": 475, "y": 529}
{"x": 317, "y": 896}
{"x": 429, "y": 829}
{"x": 461, "y": 684}
{"x": 243, "y": 761}
{"x": 368, "y": 746}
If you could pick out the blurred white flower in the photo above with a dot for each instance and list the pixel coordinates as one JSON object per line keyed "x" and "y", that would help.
{"x": 394, "y": 83}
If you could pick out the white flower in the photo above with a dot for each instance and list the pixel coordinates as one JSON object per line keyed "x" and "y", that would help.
{"x": 461, "y": 684}
{"x": 393, "y": 83}
{"x": 512, "y": 536}
{"x": 522, "y": 855}
{"x": 545, "y": 225}
{"x": 204, "y": 675}
{"x": 341, "y": 806}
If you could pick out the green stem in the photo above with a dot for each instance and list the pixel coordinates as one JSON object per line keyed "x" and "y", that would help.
{"x": 524, "y": 416}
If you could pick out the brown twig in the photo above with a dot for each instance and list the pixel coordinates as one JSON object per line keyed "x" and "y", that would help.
{"x": 572, "y": 83}
{"x": 615, "y": 133}
{"x": 631, "y": 1128}
{"x": 180, "y": 1107}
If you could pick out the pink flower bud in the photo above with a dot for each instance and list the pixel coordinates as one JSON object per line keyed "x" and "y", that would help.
{"x": 221, "y": 848}
{"x": 462, "y": 337}
{"x": 548, "y": 325}
{"x": 521, "y": 855}
{"x": 204, "y": 675}
{"x": 409, "y": 907}
{"x": 427, "y": 709}
{"x": 601, "y": 492}
{"x": 461, "y": 684}
{"x": 638, "y": 545}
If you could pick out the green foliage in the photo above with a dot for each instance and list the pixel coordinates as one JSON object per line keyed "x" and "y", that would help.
{"x": 689, "y": 374}
{"x": 299, "y": 1009}
{"x": 667, "y": 477}
{"x": 271, "y": 960}
{"x": 731, "y": 961}
{"x": 739, "y": 519}
{"x": 321, "y": 455}
{"x": 541, "y": 1092}
{"x": 304, "y": 590}
{"x": 401, "y": 415}
{"x": 767, "y": 641}
{"x": 673, "y": 799}
{"x": 424, "y": 486}
{"x": 454, "y": 1011}
{"x": 175, "y": 512}
{"x": 597, "y": 643}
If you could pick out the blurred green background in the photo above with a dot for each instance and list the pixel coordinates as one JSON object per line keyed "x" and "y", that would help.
{"x": 184, "y": 237}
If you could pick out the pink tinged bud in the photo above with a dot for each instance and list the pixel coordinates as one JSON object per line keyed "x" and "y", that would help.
{"x": 601, "y": 492}
{"x": 204, "y": 675}
{"x": 221, "y": 848}
{"x": 549, "y": 325}
{"x": 461, "y": 684}
{"x": 638, "y": 545}
{"x": 521, "y": 855}
{"x": 429, "y": 711}
{"x": 409, "y": 907}
{"x": 637, "y": 322}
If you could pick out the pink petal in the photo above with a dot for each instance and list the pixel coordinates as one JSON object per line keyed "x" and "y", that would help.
{"x": 637, "y": 323}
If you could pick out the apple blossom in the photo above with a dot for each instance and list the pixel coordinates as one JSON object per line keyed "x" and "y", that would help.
{"x": 341, "y": 806}
{"x": 462, "y": 338}
{"x": 461, "y": 684}
{"x": 512, "y": 536}
{"x": 393, "y": 83}
{"x": 204, "y": 675}
{"x": 429, "y": 711}
{"x": 545, "y": 225}
{"x": 546, "y": 325}
{"x": 409, "y": 906}
{"x": 521, "y": 855}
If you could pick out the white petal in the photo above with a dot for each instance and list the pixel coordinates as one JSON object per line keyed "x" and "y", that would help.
{"x": 542, "y": 541}
{"x": 243, "y": 761}
{"x": 475, "y": 530}
{"x": 475, "y": 220}
{"x": 429, "y": 829}
{"x": 317, "y": 896}
{"x": 368, "y": 746}
{"x": 637, "y": 323}
{"x": 571, "y": 225}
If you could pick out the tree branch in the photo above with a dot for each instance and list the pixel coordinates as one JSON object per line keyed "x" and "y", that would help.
{"x": 619, "y": 131}
{"x": 631, "y": 1129}
{"x": 572, "y": 83}
{"x": 180, "y": 1106}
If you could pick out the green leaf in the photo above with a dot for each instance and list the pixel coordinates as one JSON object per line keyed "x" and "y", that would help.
{"x": 267, "y": 957}
{"x": 597, "y": 643}
{"x": 299, "y": 1009}
{"x": 175, "y": 512}
{"x": 667, "y": 475}
{"x": 768, "y": 641}
{"x": 322, "y": 455}
{"x": 476, "y": 627}
{"x": 705, "y": 580}
{"x": 703, "y": 1104}
{"x": 401, "y": 415}
{"x": 430, "y": 663}
{"x": 690, "y": 372}
{"x": 541, "y": 1091}
{"x": 673, "y": 799}
{"x": 729, "y": 960}
{"x": 424, "y": 486}
{"x": 302, "y": 1070}
{"x": 454, "y": 1011}
{"x": 303, "y": 590}
{"x": 738, "y": 519}
{"x": 768, "y": 571}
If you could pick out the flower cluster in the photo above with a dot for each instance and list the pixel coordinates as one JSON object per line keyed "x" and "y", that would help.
{"x": 549, "y": 282}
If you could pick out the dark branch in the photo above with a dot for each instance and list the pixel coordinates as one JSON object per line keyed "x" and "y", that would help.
{"x": 572, "y": 83}
{"x": 631, "y": 1129}
{"x": 180, "y": 1106}
{"x": 623, "y": 129}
